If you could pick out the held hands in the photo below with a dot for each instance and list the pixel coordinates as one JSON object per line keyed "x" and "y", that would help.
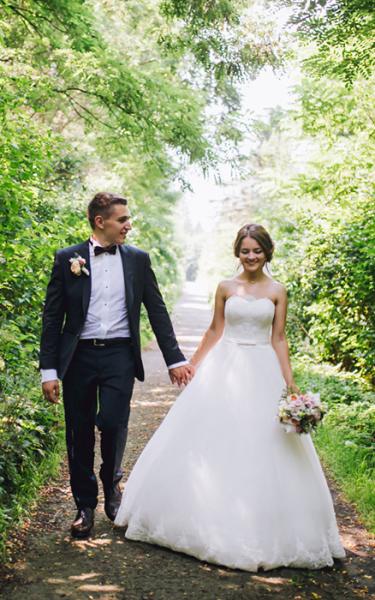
{"x": 182, "y": 375}
{"x": 51, "y": 391}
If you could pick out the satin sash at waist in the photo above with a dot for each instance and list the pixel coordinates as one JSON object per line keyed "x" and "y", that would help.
{"x": 250, "y": 342}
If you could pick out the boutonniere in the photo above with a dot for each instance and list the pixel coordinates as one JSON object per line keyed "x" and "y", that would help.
{"x": 77, "y": 265}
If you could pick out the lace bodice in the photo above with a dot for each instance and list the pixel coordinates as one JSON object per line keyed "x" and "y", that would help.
{"x": 248, "y": 320}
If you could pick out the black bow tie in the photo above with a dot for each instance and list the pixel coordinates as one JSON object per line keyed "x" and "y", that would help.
{"x": 101, "y": 249}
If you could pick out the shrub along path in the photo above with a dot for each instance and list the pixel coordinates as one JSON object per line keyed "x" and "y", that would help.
{"x": 49, "y": 565}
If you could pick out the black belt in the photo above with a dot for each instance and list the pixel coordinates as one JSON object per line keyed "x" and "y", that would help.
{"x": 105, "y": 343}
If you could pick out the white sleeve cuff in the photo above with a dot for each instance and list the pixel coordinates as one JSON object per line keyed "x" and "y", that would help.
{"x": 179, "y": 364}
{"x": 48, "y": 375}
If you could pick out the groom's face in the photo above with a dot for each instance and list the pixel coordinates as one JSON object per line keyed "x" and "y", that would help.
{"x": 116, "y": 226}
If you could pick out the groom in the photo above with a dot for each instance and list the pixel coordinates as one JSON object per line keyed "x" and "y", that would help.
{"x": 91, "y": 341}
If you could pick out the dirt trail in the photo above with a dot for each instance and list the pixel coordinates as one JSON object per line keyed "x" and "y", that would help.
{"x": 50, "y": 565}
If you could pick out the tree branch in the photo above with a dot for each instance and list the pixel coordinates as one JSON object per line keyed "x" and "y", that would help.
{"x": 74, "y": 103}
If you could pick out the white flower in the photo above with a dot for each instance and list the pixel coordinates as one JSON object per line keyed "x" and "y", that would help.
{"x": 75, "y": 267}
{"x": 2, "y": 364}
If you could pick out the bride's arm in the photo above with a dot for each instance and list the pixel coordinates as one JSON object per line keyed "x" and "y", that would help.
{"x": 215, "y": 330}
{"x": 279, "y": 341}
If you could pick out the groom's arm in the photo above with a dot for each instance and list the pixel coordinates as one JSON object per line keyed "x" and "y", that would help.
{"x": 52, "y": 321}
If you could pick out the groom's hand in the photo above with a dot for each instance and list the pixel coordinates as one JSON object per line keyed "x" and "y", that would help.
{"x": 182, "y": 375}
{"x": 51, "y": 391}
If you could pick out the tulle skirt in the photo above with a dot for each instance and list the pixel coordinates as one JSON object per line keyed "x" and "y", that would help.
{"x": 222, "y": 481}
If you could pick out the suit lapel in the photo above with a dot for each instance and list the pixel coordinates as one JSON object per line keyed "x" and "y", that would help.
{"x": 86, "y": 279}
{"x": 128, "y": 266}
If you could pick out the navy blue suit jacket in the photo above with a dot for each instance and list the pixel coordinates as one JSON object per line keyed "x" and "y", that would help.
{"x": 67, "y": 302}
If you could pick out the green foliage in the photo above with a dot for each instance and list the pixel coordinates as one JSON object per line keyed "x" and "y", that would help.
{"x": 344, "y": 32}
{"x": 337, "y": 386}
{"x": 230, "y": 40}
{"x": 315, "y": 168}
{"x": 341, "y": 316}
{"x": 346, "y": 442}
{"x": 31, "y": 438}
{"x": 337, "y": 231}
{"x": 347, "y": 462}
{"x": 346, "y": 438}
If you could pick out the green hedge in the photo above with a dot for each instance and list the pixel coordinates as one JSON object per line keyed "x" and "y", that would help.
{"x": 346, "y": 438}
{"x": 31, "y": 438}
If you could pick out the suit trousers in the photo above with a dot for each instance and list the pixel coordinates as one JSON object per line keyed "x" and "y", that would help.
{"x": 97, "y": 390}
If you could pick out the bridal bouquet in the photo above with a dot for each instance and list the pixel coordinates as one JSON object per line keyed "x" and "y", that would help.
{"x": 300, "y": 413}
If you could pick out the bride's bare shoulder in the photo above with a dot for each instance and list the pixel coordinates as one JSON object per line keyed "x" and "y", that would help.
{"x": 224, "y": 287}
{"x": 278, "y": 288}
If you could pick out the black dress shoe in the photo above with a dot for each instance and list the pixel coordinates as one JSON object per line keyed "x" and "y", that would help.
{"x": 83, "y": 523}
{"x": 112, "y": 502}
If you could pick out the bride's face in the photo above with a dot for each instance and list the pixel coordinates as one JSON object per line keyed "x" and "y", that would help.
{"x": 252, "y": 256}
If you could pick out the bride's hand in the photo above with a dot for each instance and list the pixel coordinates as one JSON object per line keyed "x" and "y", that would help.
{"x": 191, "y": 372}
{"x": 182, "y": 375}
{"x": 292, "y": 388}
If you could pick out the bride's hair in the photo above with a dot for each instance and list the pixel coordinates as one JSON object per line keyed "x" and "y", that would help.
{"x": 258, "y": 233}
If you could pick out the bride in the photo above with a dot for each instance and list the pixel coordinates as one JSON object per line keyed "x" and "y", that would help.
{"x": 220, "y": 479}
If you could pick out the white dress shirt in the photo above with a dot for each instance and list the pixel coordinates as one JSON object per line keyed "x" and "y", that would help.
{"x": 107, "y": 315}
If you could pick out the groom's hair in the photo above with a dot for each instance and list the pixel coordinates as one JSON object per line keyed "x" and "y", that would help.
{"x": 101, "y": 204}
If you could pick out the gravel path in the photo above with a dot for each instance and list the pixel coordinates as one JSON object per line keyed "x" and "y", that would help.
{"x": 49, "y": 565}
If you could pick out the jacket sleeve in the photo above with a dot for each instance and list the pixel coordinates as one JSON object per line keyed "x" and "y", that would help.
{"x": 53, "y": 318}
{"x": 159, "y": 318}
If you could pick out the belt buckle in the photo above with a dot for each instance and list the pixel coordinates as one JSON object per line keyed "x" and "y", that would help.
{"x": 98, "y": 345}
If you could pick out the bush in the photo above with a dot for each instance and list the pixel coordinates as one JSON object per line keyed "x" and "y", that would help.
{"x": 346, "y": 438}
{"x": 31, "y": 437}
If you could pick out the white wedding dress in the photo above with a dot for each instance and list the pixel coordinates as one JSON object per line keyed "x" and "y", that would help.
{"x": 220, "y": 479}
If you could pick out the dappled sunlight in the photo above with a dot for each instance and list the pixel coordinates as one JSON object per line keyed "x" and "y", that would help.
{"x": 84, "y": 576}
{"x": 271, "y": 580}
{"x": 100, "y": 588}
{"x": 157, "y": 390}
{"x": 97, "y": 587}
{"x": 194, "y": 306}
{"x": 154, "y": 403}
{"x": 55, "y": 581}
{"x": 189, "y": 338}
{"x": 353, "y": 543}
{"x": 90, "y": 543}
{"x": 160, "y": 396}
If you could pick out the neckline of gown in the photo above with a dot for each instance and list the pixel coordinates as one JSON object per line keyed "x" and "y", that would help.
{"x": 250, "y": 296}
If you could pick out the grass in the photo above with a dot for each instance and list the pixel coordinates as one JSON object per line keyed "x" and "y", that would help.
{"x": 348, "y": 466}
{"x": 34, "y": 476}
{"x": 346, "y": 438}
